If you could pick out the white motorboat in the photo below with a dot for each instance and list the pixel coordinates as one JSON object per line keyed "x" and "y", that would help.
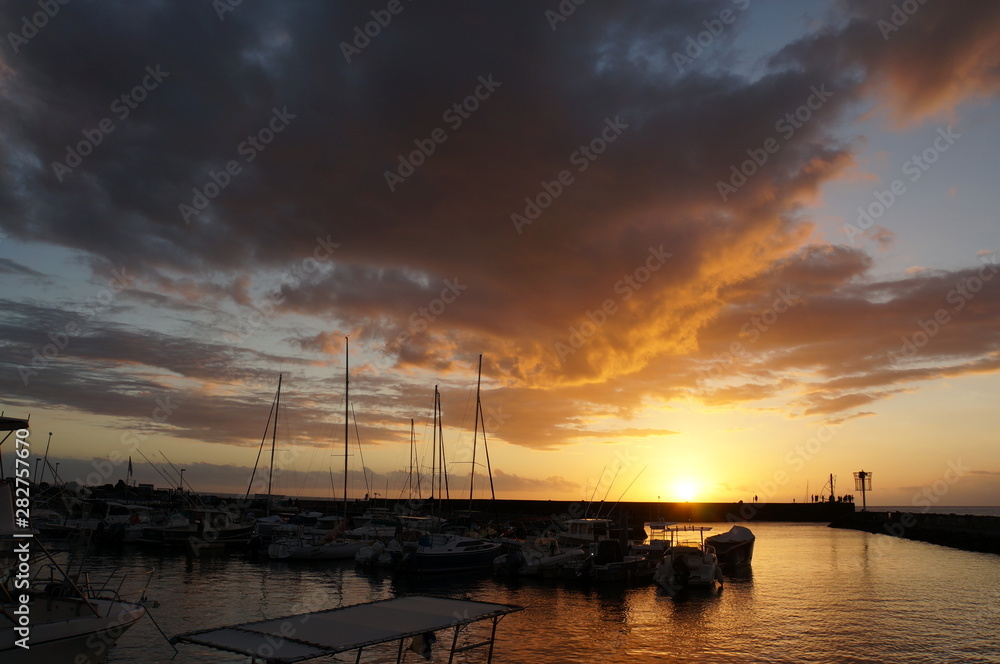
{"x": 315, "y": 548}
{"x": 688, "y": 562}
{"x": 658, "y": 538}
{"x": 450, "y": 553}
{"x": 380, "y": 554}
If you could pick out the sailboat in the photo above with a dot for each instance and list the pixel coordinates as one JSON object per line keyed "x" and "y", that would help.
{"x": 324, "y": 547}
{"x": 445, "y": 552}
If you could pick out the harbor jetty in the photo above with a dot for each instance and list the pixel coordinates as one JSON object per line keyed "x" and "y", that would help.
{"x": 970, "y": 533}
{"x": 635, "y": 512}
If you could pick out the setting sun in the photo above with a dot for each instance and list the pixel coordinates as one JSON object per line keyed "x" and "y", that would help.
{"x": 684, "y": 490}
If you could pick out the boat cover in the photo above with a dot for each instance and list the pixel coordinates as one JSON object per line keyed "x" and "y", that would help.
{"x": 734, "y": 534}
{"x": 307, "y": 635}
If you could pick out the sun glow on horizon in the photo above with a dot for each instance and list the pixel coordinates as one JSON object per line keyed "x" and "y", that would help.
{"x": 684, "y": 490}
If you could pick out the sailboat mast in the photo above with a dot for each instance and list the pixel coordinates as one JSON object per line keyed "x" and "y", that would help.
{"x": 274, "y": 437}
{"x": 347, "y": 405}
{"x": 409, "y": 481}
{"x": 434, "y": 447}
{"x": 475, "y": 432}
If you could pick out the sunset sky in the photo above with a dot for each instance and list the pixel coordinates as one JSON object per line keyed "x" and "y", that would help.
{"x": 715, "y": 248}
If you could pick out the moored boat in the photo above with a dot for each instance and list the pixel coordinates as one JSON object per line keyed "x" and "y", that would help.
{"x": 688, "y": 563}
{"x": 205, "y": 529}
{"x": 304, "y": 548}
{"x": 541, "y": 557}
{"x": 450, "y": 553}
{"x": 733, "y": 548}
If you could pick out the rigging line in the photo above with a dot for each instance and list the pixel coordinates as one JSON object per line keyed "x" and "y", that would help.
{"x": 167, "y": 479}
{"x": 489, "y": 468}
{"x": 197, "y": 498}
{"x": 594, "y": 492}
{"x": 604, "y": 499}
{"x": 274, "y": 439}
{"x": 261, "y": 448}
{"x": 626, "y": 490}
{"x": 357, "y": 434}
{"x": 444, "y": 460}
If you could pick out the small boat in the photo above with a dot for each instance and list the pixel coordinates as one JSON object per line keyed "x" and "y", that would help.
{"x": 450, "y": 553}
{"x": 734, "y": 548}
{"x": 205, "y": 528}
{"x": 688, "y": 563}
{"x": 608, "y": 562}
{"x": 541, "y": 557}
{"x": 658, "y": 538}
{"x": 585, "y": 531}
{"x": 312, "y": 548}
{"x": 380, "y": 554}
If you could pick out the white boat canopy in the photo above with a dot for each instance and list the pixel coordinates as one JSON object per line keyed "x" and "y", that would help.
{"x": 305, "y": 636}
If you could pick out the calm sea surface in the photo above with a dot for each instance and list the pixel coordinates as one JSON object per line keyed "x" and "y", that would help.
{"x": 816, "y": 594}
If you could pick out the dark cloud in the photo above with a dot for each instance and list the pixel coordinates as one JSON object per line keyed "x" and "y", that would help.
{"x": 633, "y": 283}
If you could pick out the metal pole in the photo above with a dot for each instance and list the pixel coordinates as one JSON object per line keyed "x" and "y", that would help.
{"x": 454, "y": 642}
{"x": 493, "y": 637}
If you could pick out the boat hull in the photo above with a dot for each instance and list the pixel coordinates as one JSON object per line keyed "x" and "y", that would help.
{"x": 451, "y": 554}
{"x": 734, "y": 554}
{"x": 298, "y": 550}
{"x": 65, "y": 630}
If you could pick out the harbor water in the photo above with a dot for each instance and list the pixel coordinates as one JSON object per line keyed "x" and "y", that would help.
{"x": 815, "y": 594}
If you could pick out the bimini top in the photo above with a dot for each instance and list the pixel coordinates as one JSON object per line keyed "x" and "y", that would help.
{"x": 307, "y": 635}
{"x": 12, "y": 423}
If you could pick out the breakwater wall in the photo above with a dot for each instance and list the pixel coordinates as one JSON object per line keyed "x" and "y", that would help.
{"x": 636, "y": 512}
{"x": 970, "y": 533}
